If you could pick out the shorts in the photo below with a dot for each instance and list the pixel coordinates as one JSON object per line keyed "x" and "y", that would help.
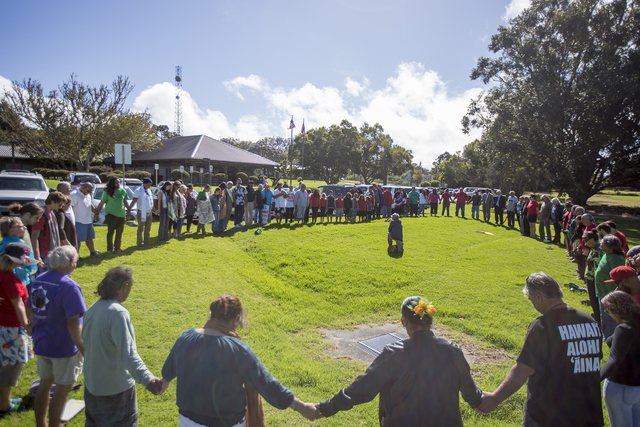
{"x": 347, "y": 211}
{"x": 329, "y": 211}
{"x": 10, "y": 375}
{"x": 339, "y": 212}
{"x": 279, "y": 211}
{"x": 362, "y": 213}
{"x": 85, "y": 232}
{"x": 65, "y": 370}
{"x": 532, "y": 218}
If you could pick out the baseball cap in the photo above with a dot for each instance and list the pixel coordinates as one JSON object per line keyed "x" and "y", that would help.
{"x": 622, "y": 272}
{"x": 147, "y": 180}
{"x": 19, "y": 254}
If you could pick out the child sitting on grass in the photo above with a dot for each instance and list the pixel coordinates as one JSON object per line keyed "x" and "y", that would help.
{"x": 395, "y": 233}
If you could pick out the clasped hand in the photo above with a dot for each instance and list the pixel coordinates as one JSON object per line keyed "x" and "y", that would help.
{"x": 489, "y": 403}
{"x": 157, "y": 386}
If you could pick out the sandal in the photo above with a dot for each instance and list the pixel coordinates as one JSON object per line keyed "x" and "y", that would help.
{"x": 13, "y": 408}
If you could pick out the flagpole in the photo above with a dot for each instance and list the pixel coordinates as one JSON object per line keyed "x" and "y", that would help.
{"x": 303, "y": 142}
{"x": 291, "y": 145}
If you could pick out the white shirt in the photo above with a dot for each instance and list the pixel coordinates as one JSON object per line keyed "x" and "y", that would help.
{"x": 282, "y": 200}
{"x": 144, "y": 202}
{"x": 290, "y": 195}
{"x": 81, "y": 208}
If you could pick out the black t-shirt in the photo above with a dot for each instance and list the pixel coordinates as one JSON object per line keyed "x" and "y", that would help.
{"x": 564, "y": 348}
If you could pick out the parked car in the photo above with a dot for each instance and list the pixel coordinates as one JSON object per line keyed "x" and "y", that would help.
{"x": 132, "y": 183}
{"x": 96, "y": 196}
{"x": 18, "y": 186}
{"x": 77, "y": 178}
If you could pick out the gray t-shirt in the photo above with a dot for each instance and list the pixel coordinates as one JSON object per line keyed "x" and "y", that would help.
{"x": 111, "y": 361}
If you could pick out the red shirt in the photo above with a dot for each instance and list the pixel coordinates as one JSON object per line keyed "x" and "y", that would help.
{"x": 10, "y": 288}
{"x": 362, "y": 205}
{"x": 461, "y": 197}
{"x": 43, "y": 238}
{"x": 623, "y": 242}
{"x": 314, "y": 202}
{"x": 323, "y": 203}
{"x": 339, "y": 203}
{"x": 388, "y": 198}
{"x": 532, "y": 208}
{"x": 446, "y": 197}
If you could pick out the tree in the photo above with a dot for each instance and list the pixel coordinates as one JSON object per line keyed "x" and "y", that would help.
{"x": 566, "y": 107}
{"x": 163, "y": 132}
{"x": 76, "y": 123}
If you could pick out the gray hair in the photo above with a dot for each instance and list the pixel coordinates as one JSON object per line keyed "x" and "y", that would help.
{"x": 555, "y": 199}
{"x": 229, "y": 182}
{"x": 183, "y": 187}
{"x": 578, "y": 208}
{"x": 543, "y": 284}
{"x": 612, "y": 242}
{"x": 395, "y": 216}
{"x": 63, "y": 184}
{"x": 587, "y": 216}
{"x": 62, "y": 256}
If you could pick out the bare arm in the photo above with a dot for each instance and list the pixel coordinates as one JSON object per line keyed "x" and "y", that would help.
{"x": 515, "y": 379}
{"x": 75, "y": 330}
{"x": 35, "y": 234}
{"x": 22, "y": 314}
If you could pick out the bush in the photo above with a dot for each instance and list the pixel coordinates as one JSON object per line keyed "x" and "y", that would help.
{"x": 425, "y": 184}
{"x": 195, "y": 175}
{"x": 299, "y": 179}
{"x": 176, "y": 174}
{"x": 57, "y": 173}
{"x": 138, "y": 174}
{"x": 100, "y": 169}
{"x": 435, "y": 183}
{"x": 254, "y": 179}
{"x": 220, "y": 177}
{"x": 243, "y": 176}
{"x": 104, "y": 176}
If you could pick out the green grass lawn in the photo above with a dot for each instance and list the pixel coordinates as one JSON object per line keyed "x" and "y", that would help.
{"x": 295, "y": 280}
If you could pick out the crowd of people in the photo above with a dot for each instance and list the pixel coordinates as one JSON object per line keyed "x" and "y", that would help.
{"x": 43, "y": 313}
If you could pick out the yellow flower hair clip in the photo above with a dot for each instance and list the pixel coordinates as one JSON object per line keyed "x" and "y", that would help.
{"x": 422, "y": 308}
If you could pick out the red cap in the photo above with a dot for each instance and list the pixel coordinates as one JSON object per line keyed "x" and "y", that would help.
{"x": 622, "y": 272}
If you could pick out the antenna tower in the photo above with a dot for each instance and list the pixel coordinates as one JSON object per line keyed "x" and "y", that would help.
{"x": 178, "y": 127}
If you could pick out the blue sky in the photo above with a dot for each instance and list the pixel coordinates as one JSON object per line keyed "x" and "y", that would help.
{"x": 249, "y": 65}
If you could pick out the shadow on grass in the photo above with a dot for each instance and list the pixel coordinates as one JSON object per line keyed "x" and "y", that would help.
{"x": 395, "y": 254}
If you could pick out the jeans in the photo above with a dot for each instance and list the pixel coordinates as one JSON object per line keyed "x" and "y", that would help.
{"x": 475, "y": 211}
{"x": 300, "y": 212}
{"x": 144, "y": 225}
{"x": 216, "y": 221}
{"x": 623, "y": 404}
{"x": 179, "y": 226}
{"x": 445, "y": 206}
{"x": 414, "y": 209}
{"x": 257, "y": 212}
{"x": 116, "y": 410}
{"x": 421, "y": 209}
{"x": 608, "y": 324}
{"x": 163, "y": 229}
{"x": 434, "y": 208}
{"x": 386, "y": 211}
{"x": 544, "y": 225}
{"x": 511, "y": 215}
{"x": 238, "y": 215}
{"x": 114, "y": 224}
{"x": 460, "y": 207}
{"x": 399, "y": 243}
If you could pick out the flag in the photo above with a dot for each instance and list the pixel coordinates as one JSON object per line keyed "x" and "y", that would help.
{"x": 302, "y": 131}
{"x": 264, "y": 180}
{"x": 291, "y": 125}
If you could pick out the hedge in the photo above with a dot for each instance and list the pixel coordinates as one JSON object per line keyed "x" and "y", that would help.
{"x": 176, "y": 174}
{"x": 243, "y": 176}
{"x": 220, "y": 177}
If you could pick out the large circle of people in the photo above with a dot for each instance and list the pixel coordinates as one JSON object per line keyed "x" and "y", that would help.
{"x": 42, "y": 311}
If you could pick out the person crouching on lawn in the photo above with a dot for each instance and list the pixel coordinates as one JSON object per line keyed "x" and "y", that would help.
{"x": 418, "y": 379}
{"x": 395, "y": 233}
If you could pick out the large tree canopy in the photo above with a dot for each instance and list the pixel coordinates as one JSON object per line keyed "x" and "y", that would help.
{"x": 77, "y": 124}
{"x": 565, "y": 104}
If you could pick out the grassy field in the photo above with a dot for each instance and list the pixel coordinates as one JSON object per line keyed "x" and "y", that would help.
{"x": 613, "y": 198}
{"x": 295, "y": 280}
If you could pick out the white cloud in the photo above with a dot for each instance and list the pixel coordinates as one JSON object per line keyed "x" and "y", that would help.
{"x": 5, "y": 85}
{"x": 253, "y": 82}
{"x": 514, "y": 9}
{"x": 415, "y": 107}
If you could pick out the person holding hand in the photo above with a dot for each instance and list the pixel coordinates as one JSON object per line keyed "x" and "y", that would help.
{"x": 220, "y": 379}
{"x": 112, "y": 365}
{"x": 418, "y": 379}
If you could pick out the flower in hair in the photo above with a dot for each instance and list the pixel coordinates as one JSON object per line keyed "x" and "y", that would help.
{"x": 424, "y": 307}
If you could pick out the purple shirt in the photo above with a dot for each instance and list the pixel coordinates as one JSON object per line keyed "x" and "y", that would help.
{"x": 54, "y": 298}
{"x": 433, "y": 198}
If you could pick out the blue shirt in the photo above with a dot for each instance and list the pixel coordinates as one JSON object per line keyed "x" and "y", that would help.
{"x": 268, "y": 194}
{"x": 211, "y": 371}
{"x": 24, "y": 272}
